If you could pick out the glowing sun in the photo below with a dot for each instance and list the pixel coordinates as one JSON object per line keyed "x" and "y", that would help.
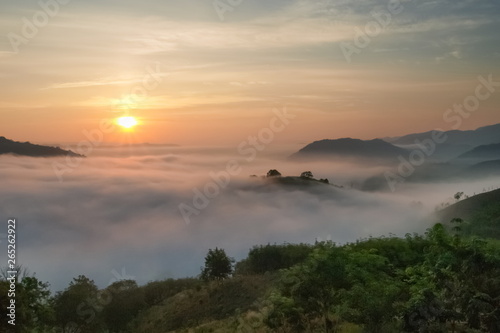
{"x": 127, "y": 122}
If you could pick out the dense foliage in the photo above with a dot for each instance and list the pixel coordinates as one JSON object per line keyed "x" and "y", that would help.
{"x": 269, "y": 258}
{"x": 442, "y": 281}
{"x": 437, "y": 283}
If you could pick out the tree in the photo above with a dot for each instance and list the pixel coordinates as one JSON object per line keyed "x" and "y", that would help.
{"x": 75, "y": 307}
{"x": 33, "y": 309}
{"x": 218, "y": 266}
{"x": 273, "y": 173}
{"x": 456, "y": 285}
{"x": 127, "y": 301}
{"x": 372, "y": 298}
{"x": 458, "y": 195}
{"x": 306, "y": 174}
{"x": 310, "y": 291}
{"x": 270, "y": 258}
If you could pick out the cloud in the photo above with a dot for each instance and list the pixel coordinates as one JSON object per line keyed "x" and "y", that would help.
{"x": 97, "y": 82}
{"x": 119, "y": 209}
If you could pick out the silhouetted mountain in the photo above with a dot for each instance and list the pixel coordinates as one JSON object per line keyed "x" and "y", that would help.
{"x": 481, "y": 136}
{"x": 457, "y": 142}
{"x": 483, "y": 169}
{"x": 140, "y": 145}
{"x": 28, "y": 149}
{"x": 351, "y": 148}
{"x": 481, "y": 153}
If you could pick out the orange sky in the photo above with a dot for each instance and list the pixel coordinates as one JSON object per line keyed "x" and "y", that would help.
{"x": 191, "y": 78}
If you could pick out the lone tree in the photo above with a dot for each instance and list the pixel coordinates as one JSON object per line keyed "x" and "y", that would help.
{"x": 458, "y": 195}
{"x": 218, "y": 266}
{"x": 74, "y": 307}
{"x": 307, "y": 174}
{"x": 273, "y": 173}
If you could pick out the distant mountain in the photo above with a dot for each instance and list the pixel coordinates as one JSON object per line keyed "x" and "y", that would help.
{"x": 457, "y": 142}
{"x": 140, "y": 145}
{"x": 28, "y": 149}
{"x": 351, "y": 148}
{"x": 481, "y": 136}
{"x": 483, "y": 169}
{"x": 481, "y": 153}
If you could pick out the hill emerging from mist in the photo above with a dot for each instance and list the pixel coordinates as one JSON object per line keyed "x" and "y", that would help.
{"x": 480, "y": 136}
{"x": 485, "y": 153}
{"x": 457, "y": 142}
{"x": 350, "y": 148}
{"x": 480, "y": 214}
{"x": 484, "y": 169}
{"x": 28, "y": 149}
{"x": 466, "y": 208}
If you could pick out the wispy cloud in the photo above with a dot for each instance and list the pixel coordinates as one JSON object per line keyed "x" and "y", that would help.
{"x": 97, "y": 82}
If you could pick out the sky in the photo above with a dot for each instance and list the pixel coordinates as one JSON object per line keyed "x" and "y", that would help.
{"x": 205, "y": 72}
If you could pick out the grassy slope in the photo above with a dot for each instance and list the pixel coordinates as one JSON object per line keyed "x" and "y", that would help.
{"x": 481, "y": 214}
{"x": 207, "y": 304}
{"x": 467, "y": 208}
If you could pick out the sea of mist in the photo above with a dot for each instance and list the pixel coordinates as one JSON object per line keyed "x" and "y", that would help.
{"x": 116, "y": 214}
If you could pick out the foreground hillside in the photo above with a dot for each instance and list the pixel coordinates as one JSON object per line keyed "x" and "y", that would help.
{"x": 480, "y": 214}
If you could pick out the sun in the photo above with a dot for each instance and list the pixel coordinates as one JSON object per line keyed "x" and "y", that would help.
{"x": 127, "y": 122}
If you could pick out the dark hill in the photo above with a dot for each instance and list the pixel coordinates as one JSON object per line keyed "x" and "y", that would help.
{"x": 351, "y": 148}
{"x": 480, "y": 213}
{"x": 481, "y": 153}
{"x": 483, "y": 169}
{"x": 28, "y": 149}
{"x": 457, "y": 142}
{"x": 481, "y": 136}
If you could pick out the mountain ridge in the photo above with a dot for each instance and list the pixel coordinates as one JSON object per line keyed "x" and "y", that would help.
{"x": 480, "y": 136}
{"x": 8, "y": 146}
{"x": 349, "y": 147}
{"x": 487, "y": 152}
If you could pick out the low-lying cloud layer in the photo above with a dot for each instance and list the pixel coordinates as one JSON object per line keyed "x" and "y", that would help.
{"x": 118, "y": 211}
